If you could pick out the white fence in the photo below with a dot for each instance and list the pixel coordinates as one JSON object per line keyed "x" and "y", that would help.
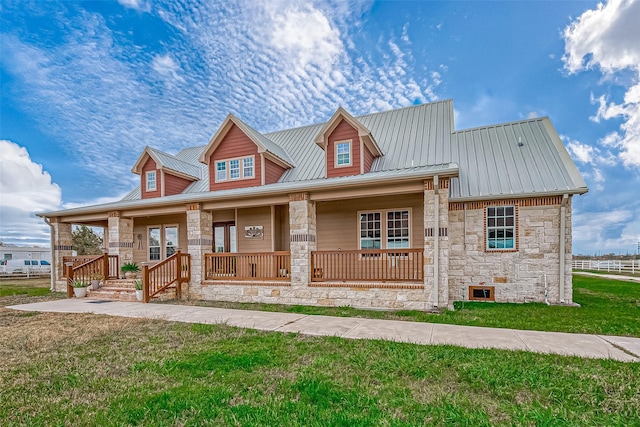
{"x": 615, "y": 266}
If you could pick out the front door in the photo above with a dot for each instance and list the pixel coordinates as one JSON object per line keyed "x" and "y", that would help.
{"x": 224, "y": 237}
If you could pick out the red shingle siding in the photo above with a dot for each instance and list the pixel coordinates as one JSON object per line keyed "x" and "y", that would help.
{"x": 368, "y": 159}
{"x": 272, "y": 172}
{"x": 150, "y": 165}
{"x": 235, "y": 144}
{"x": 174, "y": 184}
{"x": 344, "y": 131}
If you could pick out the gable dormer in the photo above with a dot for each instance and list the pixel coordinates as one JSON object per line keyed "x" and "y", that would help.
{"x": 349, "y": 147}
{"x": 162, "y": 174}
{"x": 238, "y": 156}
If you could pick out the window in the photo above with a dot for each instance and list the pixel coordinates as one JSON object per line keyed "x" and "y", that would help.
{"x": 343, "y": 153}
{"x": 234, "y": 169}
{"x": 370, "y": 230}
{"x": 221, "y": 171}
{"x": 163, "y": 241}
{"x": 247, "y": 163}
{"x": 170, "y": 240}
{"x": 154, "y": 244}
{"x": 240, "y": 168}
{"x": 397, "y": 229}
{"x": 8, "y": 256}
{"x": 151, "y": 181}
{"x": 482, "y": 293}
{"x": 501, "y": 227}
{"x": 43, "y": 262}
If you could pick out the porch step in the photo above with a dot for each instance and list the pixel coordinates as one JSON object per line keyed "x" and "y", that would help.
{"x": 124, "y": 290}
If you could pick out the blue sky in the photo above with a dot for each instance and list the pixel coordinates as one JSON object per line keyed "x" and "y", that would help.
{"x": 86, "y": 85}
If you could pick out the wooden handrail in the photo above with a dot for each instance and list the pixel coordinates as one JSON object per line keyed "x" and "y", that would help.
{"x": 110, "y": 266}
{"x": 375, "y": 265}
{"x": 248, "y": 266}
{"x": 173, "y": 271}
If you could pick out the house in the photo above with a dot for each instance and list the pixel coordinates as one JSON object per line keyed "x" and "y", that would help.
{"x": 392, "y": 210}
{"x": 10, "y": 251}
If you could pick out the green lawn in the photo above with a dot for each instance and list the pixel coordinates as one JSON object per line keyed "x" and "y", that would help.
{"x": 28, "y": 287}
{"x": 78, "y": 369}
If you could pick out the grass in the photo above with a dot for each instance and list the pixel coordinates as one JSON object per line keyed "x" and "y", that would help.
{"x": 608, "y": 307}
{"x": 79, "y": 369}
{"x": 26, "y": 287}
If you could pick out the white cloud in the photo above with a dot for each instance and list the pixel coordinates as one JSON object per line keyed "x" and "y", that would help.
{"x": 25, "y": 188}
{"x": 139, "y": 5}
{"x": 167, "y": 68}
{"x": 581, "y": 152}
{"x": 609, "y": 231}
{"x": 607, "y": 39}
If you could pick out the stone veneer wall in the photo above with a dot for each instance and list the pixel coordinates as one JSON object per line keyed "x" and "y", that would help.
{"x": 200, "y": 242}
{"x": 518, "y": 276}
{"x": 62, "y": 247}
{"x": 120, "y": 234}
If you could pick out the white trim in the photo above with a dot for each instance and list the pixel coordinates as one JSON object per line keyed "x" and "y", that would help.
{"x": 155, "y": 181}
{"x": 335, "y": 153}
{"x": 149, "y": 227}
{"x": 503, "y": 227}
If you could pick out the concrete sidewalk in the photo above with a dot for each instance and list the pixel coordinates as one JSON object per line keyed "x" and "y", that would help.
{"x": 582, "y": 345}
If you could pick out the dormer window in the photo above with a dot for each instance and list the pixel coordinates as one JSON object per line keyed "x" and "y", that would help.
{"x": 221, "y": 171}
{"x": 151, "y": 181}
{"x": 235, "y": 169}
{"x": 343, "y": 153}
{"x": 247, "y": 164}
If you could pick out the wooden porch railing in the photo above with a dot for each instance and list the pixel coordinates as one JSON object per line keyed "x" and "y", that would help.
{"x": 85, "y": 268}
{"x": 249, "y": 266}
{"x": 173, "y": 271}
{"x": 380, "y": 265}
{"x": 83, "y": 259}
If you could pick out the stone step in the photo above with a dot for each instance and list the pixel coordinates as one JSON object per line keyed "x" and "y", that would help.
{"x": 113, "y": 294}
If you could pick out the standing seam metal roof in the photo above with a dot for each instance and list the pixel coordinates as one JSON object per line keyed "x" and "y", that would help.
{"x": 491, "y": 161}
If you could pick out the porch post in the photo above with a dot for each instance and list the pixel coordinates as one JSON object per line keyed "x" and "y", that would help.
{"x": 120, "y": 238}
{"x": 62, "y": 246}
{"x": 436, "y": 240}
{"x": 302, "y": 221}
{"x": 200, "y": 242}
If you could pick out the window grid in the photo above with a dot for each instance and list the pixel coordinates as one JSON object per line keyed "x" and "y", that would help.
{"x": 234, "y": 169}
{"x": 154, "y": 244}
{"x": 151, "y": 181}
{"x": 397, "y": 229}
{"x": 170, "y": 240}
{"x": 247, "y": 170}
{"x": 501, "y": 227}
{"x": 370, "y": 230}
{"x": 343, "y": 154}
{"x": 221, "y": 171}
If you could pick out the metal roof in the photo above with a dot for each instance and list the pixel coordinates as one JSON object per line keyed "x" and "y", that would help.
{"x": 168, "y": 161}
{"x": 524, "y": 158}
{"x": 265, "y": 142}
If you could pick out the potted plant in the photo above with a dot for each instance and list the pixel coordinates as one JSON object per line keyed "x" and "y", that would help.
{"x": 130, "y": 270}
{"x": 138, "y": 284}
{"x": 79, "y": 288}
{"x": 95, "y": 281}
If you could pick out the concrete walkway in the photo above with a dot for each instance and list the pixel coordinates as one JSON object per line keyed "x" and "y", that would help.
{"x": 609, "y": 276}
{"x": 582, "y": 345}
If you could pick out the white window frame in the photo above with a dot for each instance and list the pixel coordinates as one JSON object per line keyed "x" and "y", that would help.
{"x": 148, "y": 187}
{"x": 501, "y": 228}
{"x": 241, "y": 168}
{"x": 233, "y": 169}
{"x": 245, "y": 167}
{"x": 163, "y": 240}
{"x": 335, "y": 149}
{"x": 383, "y": 227}
{"x": 217, "y": 171}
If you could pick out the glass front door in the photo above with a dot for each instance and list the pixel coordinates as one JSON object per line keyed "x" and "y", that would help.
{"x": 224, "y": 237}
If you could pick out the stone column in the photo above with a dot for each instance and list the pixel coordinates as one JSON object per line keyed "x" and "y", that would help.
{"x": 120, "y": 237}
{"x": 62, "y": 246}
{"x": 200, "y": 238}
{"x": 302, "y": 222}
{"x": 439, "y": 260}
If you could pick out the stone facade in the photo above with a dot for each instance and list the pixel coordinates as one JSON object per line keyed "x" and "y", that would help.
{"x": 120, "y": 232}
{"x": 302, "y": 226}
{"x": 517, "y": 275}
{"x": 62, "y": 236}
{"x": 199, "y": 233}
